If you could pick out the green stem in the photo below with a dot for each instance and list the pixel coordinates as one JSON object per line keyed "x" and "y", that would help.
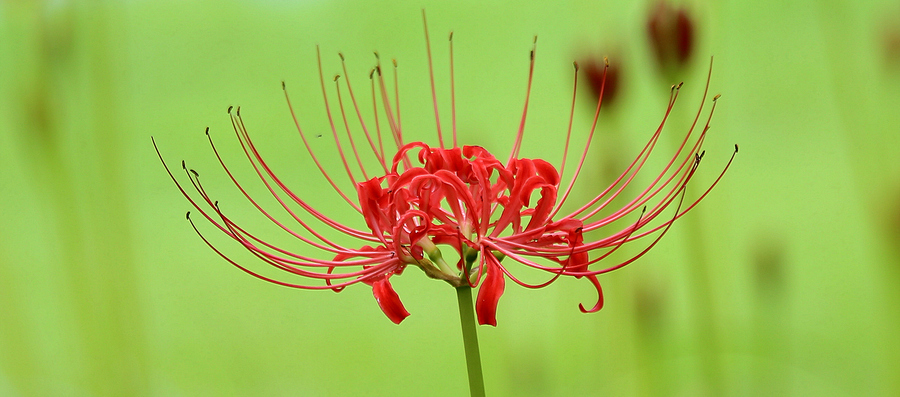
{"x": 470, "y": 340}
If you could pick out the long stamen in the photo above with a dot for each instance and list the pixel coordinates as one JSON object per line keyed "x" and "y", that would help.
{"x": 678, "y": 192}
{"x": 687, "y": 159}
{"x": 336, "y": 225}
{"x": 635, "y": 165}
{"x": 562, "y": 165}
{"x": 337, "y": 89}
{"x": 244, "y": 137}
{"x": 437, "y": 117}
{"x": 337, "y": 141}
{"x": 684, "y": 164}
{"x": 375, "y": 113}
{"x": 521, "y": 132}
{"x": 668, "y": 225}
{"x": 587, "y": 144}
{"x": 369, "y": 273}
{"x": 397, "y": 96}
{"x": 646, "y": 195}
{"x": 379, "y": 154}
{"x": 700, "y": 198}
{"x": 229, "y": 227}
{"x": 452, "y": 93}
{"x": 392, "y": 121}
{"x": 631, "y": 172}
{"x": 312, "y": 155}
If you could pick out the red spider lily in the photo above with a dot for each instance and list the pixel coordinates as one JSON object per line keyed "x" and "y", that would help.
{"x": 428, "y": 199}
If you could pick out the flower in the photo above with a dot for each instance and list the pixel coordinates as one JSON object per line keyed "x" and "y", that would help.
{"x": 427, "y": 201}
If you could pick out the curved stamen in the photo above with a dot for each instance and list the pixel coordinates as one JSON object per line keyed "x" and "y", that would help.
{"x": 437, "y": 117}
{"x": 312, "y": 155}
{"x": 337, "y": 89}
{"x": 514, "y": 153}
{"x": 452, "y": 93}
{"x": 379, "y": 154}
{"x": 337, "y": 141}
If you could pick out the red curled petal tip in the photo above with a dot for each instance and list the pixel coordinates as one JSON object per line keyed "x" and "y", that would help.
{"x": 599, "y": 304}
{"x": 488, "y": 295}
{"x": 389, "y": 301}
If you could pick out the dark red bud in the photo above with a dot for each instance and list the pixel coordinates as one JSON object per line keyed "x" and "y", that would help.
{"x": 671, "y": 34}
{"x": 593, "y": 74}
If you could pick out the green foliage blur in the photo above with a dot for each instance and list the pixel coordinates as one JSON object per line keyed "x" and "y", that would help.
{"x": 784, "y": 280}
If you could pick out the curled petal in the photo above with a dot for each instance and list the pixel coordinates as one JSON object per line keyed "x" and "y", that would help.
{"x": 599, "y": 304}
{"x": 544, "y": 206}
{"x": 489, "y": 294}
{"x": 547, "y": 171}
{"x": 389, "y": 301}
{"x": 578, "y": 261}
{"x": 328, "y": 280}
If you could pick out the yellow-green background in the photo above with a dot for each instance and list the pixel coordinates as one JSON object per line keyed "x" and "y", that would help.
{"x": 784, "y": 281}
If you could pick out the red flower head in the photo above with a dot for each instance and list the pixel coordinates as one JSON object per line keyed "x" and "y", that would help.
{"x": 426, "y": 201}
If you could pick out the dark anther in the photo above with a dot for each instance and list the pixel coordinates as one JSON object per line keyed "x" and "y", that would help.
{"x": 196, "y": 175}
{"x": 229, "y": 109}
{"x": 282, "y": 85}
{"x": 336, "y": 77}
{"x": 451, "y": 36}
{"x": 372, "y": 73}
{"x": 207, "y": 130}
{"x": 188, "y": 215}
{"x": 378, "y": 57}
{"x": 342, "y": 56}
{"x": 716, "y": 98}
{"x": 182, "y": 165}
{"x": 735, "y": 148}
{"x": 575, "y": 63}
{"x": 239, "y": 111}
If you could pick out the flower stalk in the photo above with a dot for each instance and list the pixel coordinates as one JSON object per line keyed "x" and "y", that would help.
{"x": 470, "y": 340}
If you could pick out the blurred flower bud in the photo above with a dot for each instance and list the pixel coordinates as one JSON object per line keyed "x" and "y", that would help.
{"x": 593, "y": 72}
{"x": 671, "y": 34}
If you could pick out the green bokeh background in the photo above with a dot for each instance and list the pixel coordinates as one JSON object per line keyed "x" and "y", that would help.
{"x": 783, "y": 282}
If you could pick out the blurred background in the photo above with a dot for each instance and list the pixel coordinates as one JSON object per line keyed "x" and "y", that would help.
{"x": 784, "y": 281}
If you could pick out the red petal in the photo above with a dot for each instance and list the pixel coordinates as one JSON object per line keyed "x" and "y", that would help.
{"x": 489, "y": 293}
{"x": 542, "y": 210}
{"x": 389, "y": 301}
{"x": 599, "y": 304}
{"x": 547, "y": 171}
